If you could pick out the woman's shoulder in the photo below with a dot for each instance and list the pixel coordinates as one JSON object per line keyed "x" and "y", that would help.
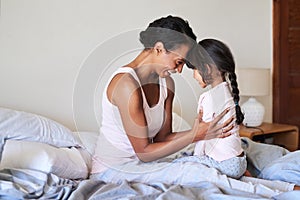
{"x": 123, "y": 80}
{"x": 122, "y": 85}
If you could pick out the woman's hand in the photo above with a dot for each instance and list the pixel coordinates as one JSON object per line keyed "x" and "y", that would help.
{"x": 209, "y": 130}
{"x": 216, "y": 130}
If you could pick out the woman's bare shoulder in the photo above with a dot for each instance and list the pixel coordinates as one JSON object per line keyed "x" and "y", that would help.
{"x": 122, "y": 85}
{"x": 122, "y": 81}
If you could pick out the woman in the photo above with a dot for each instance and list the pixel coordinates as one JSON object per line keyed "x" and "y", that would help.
{"x": 136, "y": 113}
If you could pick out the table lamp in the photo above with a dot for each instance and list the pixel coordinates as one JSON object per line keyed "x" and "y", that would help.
{"x": 253, "y": 82}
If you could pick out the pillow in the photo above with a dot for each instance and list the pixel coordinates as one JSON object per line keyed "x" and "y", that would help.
{"x": 88, "y": 140}
{"x": 19, "y": 125}
{"x": 286, "y": 168}
{"x": 261, "y": 154}
{"x": 63, "y": 162}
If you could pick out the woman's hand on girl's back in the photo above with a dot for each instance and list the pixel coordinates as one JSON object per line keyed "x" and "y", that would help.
{"x": 209, "y": 130}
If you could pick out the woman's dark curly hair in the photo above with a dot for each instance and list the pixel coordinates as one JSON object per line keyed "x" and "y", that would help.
{"x": 171, "y": 31}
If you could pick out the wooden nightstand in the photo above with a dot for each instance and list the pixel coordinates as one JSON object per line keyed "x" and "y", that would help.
{"x": 279, "y": 134}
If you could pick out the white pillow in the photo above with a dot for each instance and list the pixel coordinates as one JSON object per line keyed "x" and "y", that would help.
{"x": 88, "y": 140}
{"x": 63, "y": 162}
{"x": 19, "y": 125}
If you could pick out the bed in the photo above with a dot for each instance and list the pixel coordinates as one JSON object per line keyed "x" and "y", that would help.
{"x": 42, "y": 159}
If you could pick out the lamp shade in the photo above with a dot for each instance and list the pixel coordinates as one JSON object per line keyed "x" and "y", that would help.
{"x": 253, "y": 81}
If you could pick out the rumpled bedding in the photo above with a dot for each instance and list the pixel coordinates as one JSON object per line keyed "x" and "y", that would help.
{"x": 31, "y": 184}
{"x": 260, "y": 156}
{"x": 97, "y": 189}
{"x": 269, "y": 161}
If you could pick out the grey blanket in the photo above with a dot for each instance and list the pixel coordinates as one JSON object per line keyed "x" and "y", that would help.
{"x": 92, "y": 190}
{"x": 31, "y": 184}
{"x": 259, "y": 155}
{"x": 99, "y": 190}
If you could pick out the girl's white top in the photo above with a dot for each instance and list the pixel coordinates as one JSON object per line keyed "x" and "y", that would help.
{"x": 113, "y": 146}
{"x": 213, "y": 102}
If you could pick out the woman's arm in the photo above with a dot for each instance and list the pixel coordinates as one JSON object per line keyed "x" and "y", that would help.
{"x": 165, "y": 133}
{"x": 124, "y": 92}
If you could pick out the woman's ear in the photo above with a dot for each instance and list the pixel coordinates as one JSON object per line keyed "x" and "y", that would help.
{"x": 159, "y": 47}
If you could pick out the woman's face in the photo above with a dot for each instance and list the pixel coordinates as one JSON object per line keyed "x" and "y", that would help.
{"x": 199, "y": 78}
{"x": 173, "y": 61}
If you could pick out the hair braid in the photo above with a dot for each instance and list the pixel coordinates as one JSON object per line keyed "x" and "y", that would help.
{"x": 236, "y": 97}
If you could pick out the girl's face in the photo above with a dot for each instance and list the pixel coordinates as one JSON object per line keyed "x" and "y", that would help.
{"x": 172, "y": 61}
{"x": 199, "y": 78}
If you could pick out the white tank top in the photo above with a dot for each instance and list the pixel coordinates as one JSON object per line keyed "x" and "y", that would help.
{"x": 113, "y": 146}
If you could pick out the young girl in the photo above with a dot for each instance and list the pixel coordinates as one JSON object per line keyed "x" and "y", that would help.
{"x": 218, "y": 71}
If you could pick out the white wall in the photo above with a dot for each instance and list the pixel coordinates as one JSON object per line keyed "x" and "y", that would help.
{"x": 54, "y": 54}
